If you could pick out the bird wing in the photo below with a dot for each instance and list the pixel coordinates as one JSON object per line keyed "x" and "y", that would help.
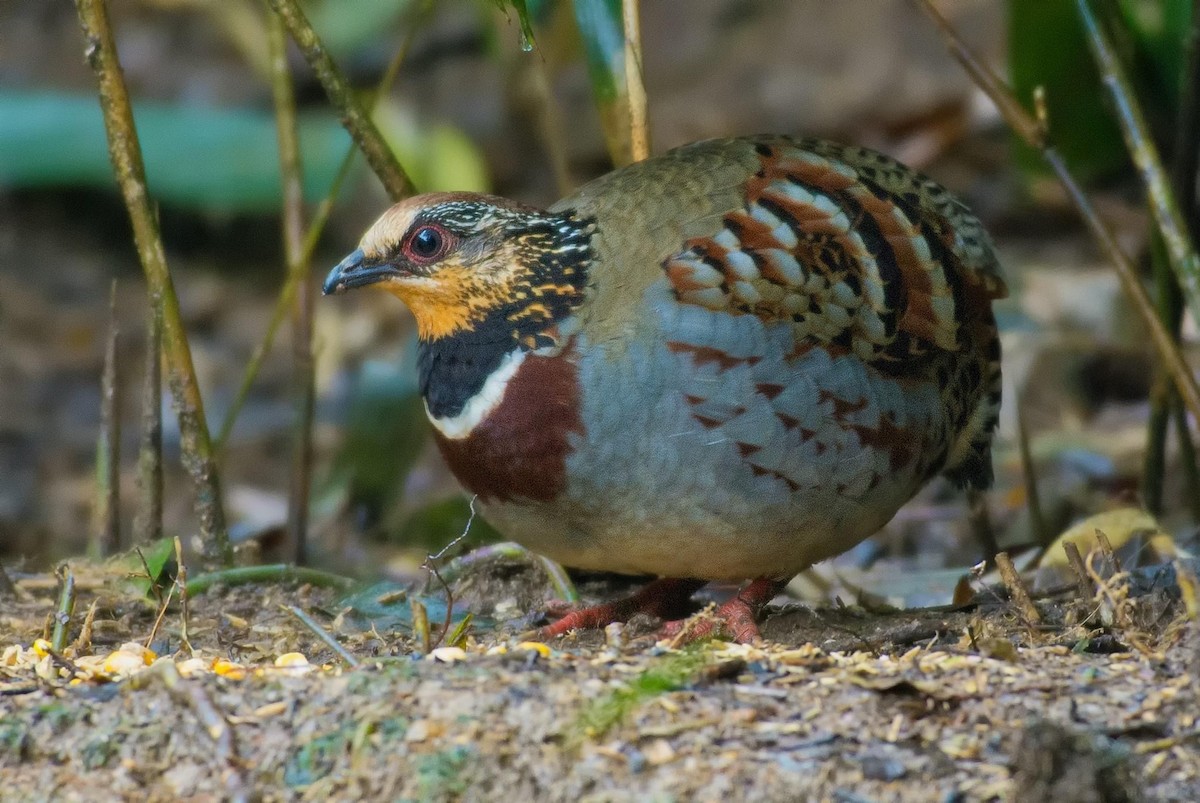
{"x": 858, "y": 251}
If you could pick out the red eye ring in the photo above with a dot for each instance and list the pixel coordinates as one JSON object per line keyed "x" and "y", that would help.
{"x": 427, "y": 243}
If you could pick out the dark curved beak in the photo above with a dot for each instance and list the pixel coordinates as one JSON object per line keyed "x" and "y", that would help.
{"x": 354, "y": 271}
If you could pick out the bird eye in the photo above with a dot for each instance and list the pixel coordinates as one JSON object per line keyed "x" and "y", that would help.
{"x": 426, "y": 242}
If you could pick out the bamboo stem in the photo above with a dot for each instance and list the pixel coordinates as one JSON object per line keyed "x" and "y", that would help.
{"x": 1034, "y": 134}
{"x": 355, "y": 119}
{"x": 291, "y": 171}
{"x": 284, "y": 304}
{"x": 635, "y": 88}
{"x": 106, "y": 523}
{"x": 125, "y": 153}
{"x": 66, "y": 607}
{"x": 147, "y": 526}
{"x": 1170, "y": 222}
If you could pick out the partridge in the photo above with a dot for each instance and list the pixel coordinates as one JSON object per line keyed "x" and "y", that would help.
{"x": 727, "y": 362}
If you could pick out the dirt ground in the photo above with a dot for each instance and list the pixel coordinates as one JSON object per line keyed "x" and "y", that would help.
{"x": 840, "y": 704}
{"x": 854, "y": 702}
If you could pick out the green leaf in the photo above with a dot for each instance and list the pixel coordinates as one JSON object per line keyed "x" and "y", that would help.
{"x": 522, "y": 9}
{"x": 1160, "y": 29}
{"x": 1047, "y": 48}
{"x": 222, "y": 160}
{"x": 217, "y": 159}
{"x": 387, "y": 606}
{"x": 158, "y": 555}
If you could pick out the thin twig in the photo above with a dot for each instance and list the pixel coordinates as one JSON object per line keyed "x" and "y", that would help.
{"x": 66, "y": 607}
{"x": 155, "y": 589}
{"x": 64, "y": 663}
{"x": 430, "y": 559}
{"x": 1184, "y": 261}
{"x": 83, "y": 642}
{"x": 1110, "y": 555}
{"x": 1083, "y": 586}
{"x": 287, "y": 297}
{"x": 291, "y": 170}
{"x": 430, "y": 566}
{"x": 1040, "y": 531}
{"x": 1016, "y": 590}
{"x": 159, "y": 616}
{"x": 147, "y": 525}
{"x": 107, "y": 513}
{"x": 126, "y": 157}
{"x": 1028, "y": 128}
{"x": 323, "y": 634}
{"x": 635, "y": 88}
{"x": 356, "y": 120}
{"x": 181, "y": 582}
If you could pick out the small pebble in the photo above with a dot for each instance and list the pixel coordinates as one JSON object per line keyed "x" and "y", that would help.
{"x": 614, "y": 636}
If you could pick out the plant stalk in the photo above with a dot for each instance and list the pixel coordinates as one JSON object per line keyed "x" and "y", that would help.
{"x": 362, "y": 129}
{"x": 1035, "y": 135}
{"x": 125, "y": 153}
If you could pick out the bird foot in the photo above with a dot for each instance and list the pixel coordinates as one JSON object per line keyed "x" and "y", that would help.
{"x": 668, "y": 599}
{"x": 737, "y": 618}
{"x": 664, "y": 599}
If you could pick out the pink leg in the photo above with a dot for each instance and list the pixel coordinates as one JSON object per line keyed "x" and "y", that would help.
{"x": 737, "y": 618}
{"x": 663, "y": 598}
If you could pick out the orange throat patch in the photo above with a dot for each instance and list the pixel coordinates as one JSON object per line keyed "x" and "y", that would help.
{"x": 445, "y": 305}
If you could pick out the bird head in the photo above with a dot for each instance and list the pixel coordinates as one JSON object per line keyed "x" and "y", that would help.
{"x": 473, "y": 264}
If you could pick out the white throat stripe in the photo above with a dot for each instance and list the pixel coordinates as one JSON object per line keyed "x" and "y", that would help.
{"x": 481, "y": 405}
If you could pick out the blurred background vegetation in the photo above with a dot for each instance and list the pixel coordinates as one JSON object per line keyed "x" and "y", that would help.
{"x": 528, "y": 99}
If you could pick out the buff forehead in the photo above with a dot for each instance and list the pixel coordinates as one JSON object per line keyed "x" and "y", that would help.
{"x": 391, "y": 226}
{"x": 386, "y": 232}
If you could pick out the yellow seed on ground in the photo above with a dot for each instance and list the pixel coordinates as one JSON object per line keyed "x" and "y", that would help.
{"x": 271, "y": 709}
{"x": 41, "y": 648}
{"x": 537, "y": 646}
{"x": 191, "y": 666}
{"x": 123, "y": 662}
{"x": 146, "y": 656}
{"x": 12, "y": 655}
{"x": 228, "y": 669}
{"x": 291, "y": 659}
